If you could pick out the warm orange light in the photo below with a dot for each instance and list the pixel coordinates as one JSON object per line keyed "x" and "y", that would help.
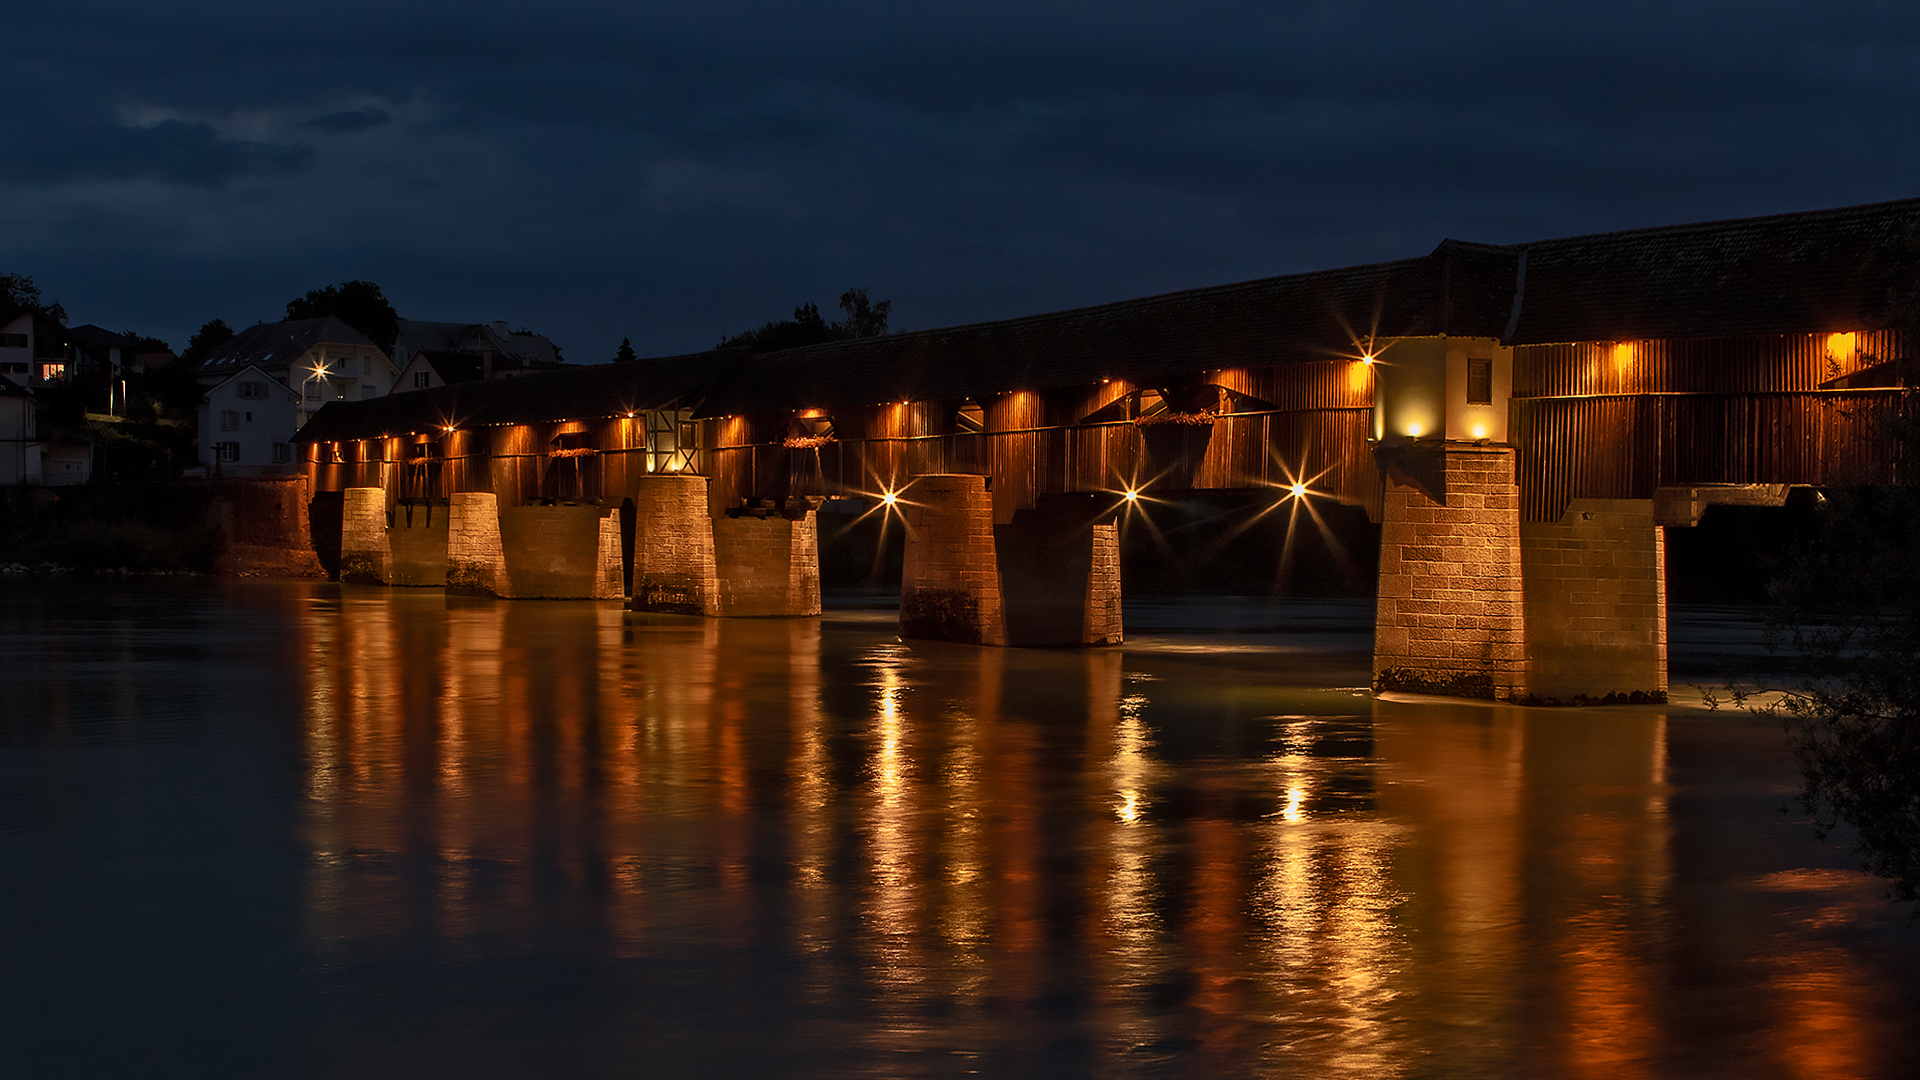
{"x": 1479, "y": 431}
{"x": 448, "y": 429}
{"x": 1367, "y": 359}
{"x": 1357, "y": 375}
{"x": 1841, "y": 347}
{"x": 1413, "y": 430}
{"x": 1623, "y": 355}
{"x": 888, "y": 498}
{"x": 1298, "y": 489}
{"x": 1132, "y": 495}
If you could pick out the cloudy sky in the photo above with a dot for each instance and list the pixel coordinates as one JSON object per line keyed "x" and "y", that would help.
{"x": 672, "y": 173}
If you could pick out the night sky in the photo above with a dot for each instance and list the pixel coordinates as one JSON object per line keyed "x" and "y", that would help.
{"x": 599, "y": 171}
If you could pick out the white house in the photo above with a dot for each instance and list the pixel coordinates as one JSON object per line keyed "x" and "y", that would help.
{"x": 438, "y": 353}
{"x": 24, "y": 458}
{"x": 33, "y": 348}
{"x": 318, "y": 360}
{"x": 247, "y": 424}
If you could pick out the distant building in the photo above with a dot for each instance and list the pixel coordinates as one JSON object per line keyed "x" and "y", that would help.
{"x": 317, "y": 360}
{"x": 109, "y": 355}
{"x": 438, "y": 353}
{"x": 24, "y": 458}
{"x": 244, "y": 424}
{"x": 33, "y": 347}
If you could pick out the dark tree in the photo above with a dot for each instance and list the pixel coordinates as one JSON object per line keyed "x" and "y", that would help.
{"x": 18, "y": 291}
{"x": 212, "y": 334}
{"x": 359, "y": 304}
{"x": 808, "y": 327}
{"x": 1850, "y": 613}
{"x": 862, "y": 319}
{"x": 626, "y": 355}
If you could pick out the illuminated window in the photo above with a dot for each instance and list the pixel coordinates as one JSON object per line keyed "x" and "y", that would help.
{"x": 1479, "y": 382}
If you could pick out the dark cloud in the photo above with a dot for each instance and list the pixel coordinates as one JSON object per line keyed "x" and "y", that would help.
{"x": 346, "y": 123}
{"x": 602, "y": 171}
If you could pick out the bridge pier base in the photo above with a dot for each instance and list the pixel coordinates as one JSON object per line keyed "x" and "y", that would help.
{"x": 476, "y": 558}
{"x": 417, "y": 545}
{"x": 950, "y": 580}
{"x": 1450, "y": 616}
{"x": 568, "y": 552}
{"x": 1475, "y": 603}
{"x": 673, "y": 557}
{"x": 1596, "y": 604}
{"x": 365, "y": 558}
{"x": 767, "y": 561}
{"x": 1060, "y": 573}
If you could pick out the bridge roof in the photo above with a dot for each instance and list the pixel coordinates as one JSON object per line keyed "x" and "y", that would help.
{"x": 1853, "y": 268}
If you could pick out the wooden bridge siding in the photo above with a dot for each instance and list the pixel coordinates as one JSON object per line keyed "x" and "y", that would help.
{"x": 1627, "y": 447}
{"x": 1746, "y": 365}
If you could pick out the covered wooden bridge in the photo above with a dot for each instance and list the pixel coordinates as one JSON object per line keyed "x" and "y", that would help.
{"x": 1522, "y": 420}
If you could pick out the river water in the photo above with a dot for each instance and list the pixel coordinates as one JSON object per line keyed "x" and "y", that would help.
{"x": 298, "y": 829}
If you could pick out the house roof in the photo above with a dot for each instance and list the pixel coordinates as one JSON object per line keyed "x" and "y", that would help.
{"x": 98, "y": 339}
{"x": 1854, "y": 268}
{"x": 532, "y": 349}
{"x": 452, "y": 367}
{"x": 9, "y": 388}
{"x": 276, "y": 345}
{"x": 266, "y": 375}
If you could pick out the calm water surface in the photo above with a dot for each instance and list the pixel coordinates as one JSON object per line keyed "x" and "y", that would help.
{"x": 296, "y": 829}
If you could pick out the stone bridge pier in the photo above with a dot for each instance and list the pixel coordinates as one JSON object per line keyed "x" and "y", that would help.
{"x": 1474, "y": 602}
{"x": 1051, "y": 576}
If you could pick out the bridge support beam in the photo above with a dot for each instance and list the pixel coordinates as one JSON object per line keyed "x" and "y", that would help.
{"x": 950, "y": 581}
{"x": 1450, "y": 617}
{"x": 673, "y": 559}
{"x": 476, "y": 558}
{"x": 1060, "y": 572}
{"x": 767, "y": 560}
{"x": 1596, "y": 604}
{"x": 365, "y": 558}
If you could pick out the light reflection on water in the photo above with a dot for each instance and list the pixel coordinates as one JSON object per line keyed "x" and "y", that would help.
{"x": 555, "y": 837}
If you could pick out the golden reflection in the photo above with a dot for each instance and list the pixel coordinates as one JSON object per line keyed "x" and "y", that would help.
{"x": 951, "y": 841}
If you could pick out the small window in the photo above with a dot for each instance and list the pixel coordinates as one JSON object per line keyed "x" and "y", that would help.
{"x": 253, "y": 391}
{"x": 227, "y": 451}
{"x": 13, "y": 341}
{"x": 1479, "y": 382}
{"x": 282, "y": 453}
{"x": 249, "y": 418}
{"x": 229, "y": 420}
{"x": 422, "y": 379}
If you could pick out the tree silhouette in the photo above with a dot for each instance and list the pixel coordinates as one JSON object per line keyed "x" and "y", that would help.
{"x": 626, "y": 355}
{"x": 359, "y": 304}
{"x": 863, "y": 319}
{"x": 211, "y": 335}
{"x": 18, "y": 291}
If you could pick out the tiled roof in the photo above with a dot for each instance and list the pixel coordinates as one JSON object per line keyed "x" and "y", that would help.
{"x": 581, "y": 392}
{"x": 1820, "y": 270}
{"x": 275, "y": 345}
{"x": 415, "y": 336}
{"x": 1848, "y": 269}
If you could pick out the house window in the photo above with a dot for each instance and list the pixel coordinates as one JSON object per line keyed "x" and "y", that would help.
{"x": 313, "y": 390}
{"x": 53, "y": 371}
{"x": 340, "y": 388}
{"x": 227, "y": 451}
{"x": 229, "y": 420}
{"x": 282, "y": 453}
{"x": 422, "y": 379}
{"x": 13, "y": 341}
{"x": 1479, "y": 382}
{"x": 253, "y": 391}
